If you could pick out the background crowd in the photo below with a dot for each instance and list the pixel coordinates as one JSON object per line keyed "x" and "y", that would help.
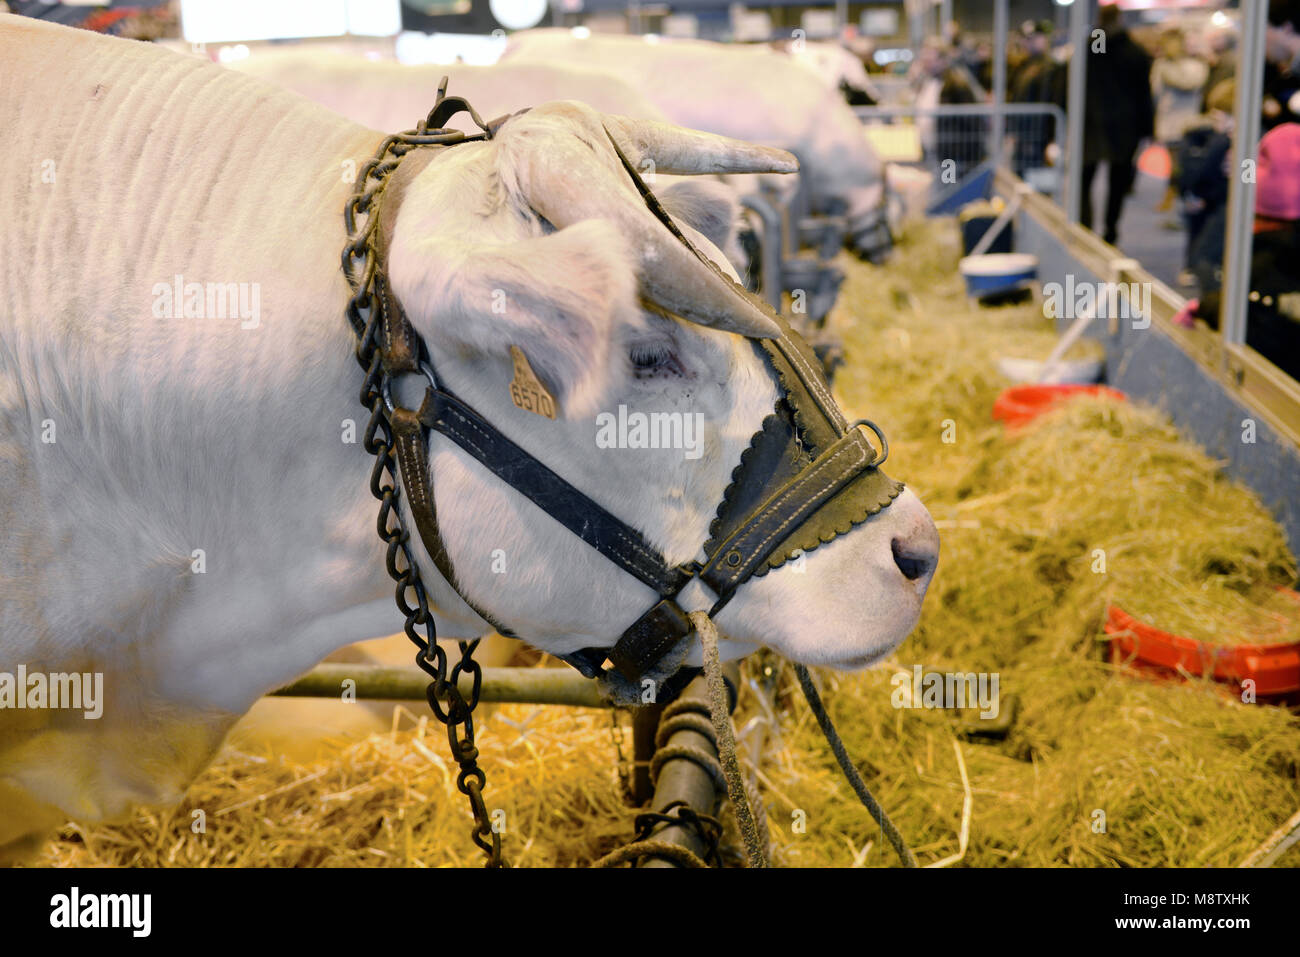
{"x": 1160, "y": 98}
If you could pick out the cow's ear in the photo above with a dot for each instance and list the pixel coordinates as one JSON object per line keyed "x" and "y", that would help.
{"x": 706, "y": 205}
{"x": 564, "y": 299}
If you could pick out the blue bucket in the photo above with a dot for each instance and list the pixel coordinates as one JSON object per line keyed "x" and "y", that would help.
{"x": 994, "y": 273}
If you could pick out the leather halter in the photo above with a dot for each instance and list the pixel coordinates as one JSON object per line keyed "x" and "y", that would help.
{"x": 807, "y": 477}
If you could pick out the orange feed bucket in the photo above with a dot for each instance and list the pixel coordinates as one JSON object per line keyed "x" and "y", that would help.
{"x": 1021, "y": 404}
{"x": 1275, "y": 668}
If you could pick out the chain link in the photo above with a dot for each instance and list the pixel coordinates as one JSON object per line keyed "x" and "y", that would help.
{"x": 449, "y": 705}
{"x": 623, "y": 765}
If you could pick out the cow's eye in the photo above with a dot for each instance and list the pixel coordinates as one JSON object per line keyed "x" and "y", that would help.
{"x": 648, "y": 356}
{"x": 653, "y": 358}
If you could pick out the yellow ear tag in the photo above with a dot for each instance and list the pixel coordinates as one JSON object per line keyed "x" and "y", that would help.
{"x": 526, "y": 390}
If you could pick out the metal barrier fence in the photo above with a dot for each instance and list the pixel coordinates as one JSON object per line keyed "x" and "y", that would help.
{"x": 892, "y": 90}
{"x": 951, "y": 141}
{"x": 782, "y": 228}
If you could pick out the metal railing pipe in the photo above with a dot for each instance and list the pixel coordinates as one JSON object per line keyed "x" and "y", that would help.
{"x": 1075, "y": 97}
{"x": 771, "y": 250}
{"x": 500, "y": 685}
{"x": 1239, "y": 240}
{"x": 682, "y": 780}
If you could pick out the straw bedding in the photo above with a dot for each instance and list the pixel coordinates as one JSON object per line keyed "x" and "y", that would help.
{"x": 1097, "y": 502}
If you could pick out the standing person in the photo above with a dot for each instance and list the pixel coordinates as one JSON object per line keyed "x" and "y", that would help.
{"x": 1117, "y": 115}
{"x": 956, "y": 138}
{"x": 1202, "y": 182}
{"x": 1177, "y": 83}
{"x": 1223, "y": 59}
{"x": 1033, "y": 82}
{"x": 1282, "y": 64}
{"x": 1273, "y": 303}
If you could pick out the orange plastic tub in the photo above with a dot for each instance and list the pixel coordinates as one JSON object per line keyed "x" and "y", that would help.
{"x": 1275, "y": 668}
{"x": 1021, "y": 404}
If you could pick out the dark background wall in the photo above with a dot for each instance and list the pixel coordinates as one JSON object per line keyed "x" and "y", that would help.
{"x": 479, "y": 19}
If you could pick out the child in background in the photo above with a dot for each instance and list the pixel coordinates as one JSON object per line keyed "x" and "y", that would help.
{"x": 1201, "y": 179}
{"x": 1177, "y": 81}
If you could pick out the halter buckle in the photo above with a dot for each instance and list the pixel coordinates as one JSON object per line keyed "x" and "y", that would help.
{"x": 884, "y": 443}
{"x": 387, "y": 389}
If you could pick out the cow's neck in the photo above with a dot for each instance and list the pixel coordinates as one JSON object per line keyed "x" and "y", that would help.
{"x": 212, "y": 489}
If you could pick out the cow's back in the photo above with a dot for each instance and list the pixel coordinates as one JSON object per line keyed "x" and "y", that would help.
{"x": 385, "y": 95}
{"x": 116, "y": 154}
{"x": 744, "y": 92}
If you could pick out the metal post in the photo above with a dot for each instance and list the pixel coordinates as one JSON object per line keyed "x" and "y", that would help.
{"x": 772, "y": 250}
{"x": 841, "y": 15}
{"x": 1241, "y": 188}
{"x": 645, "y": 723}
{"x": 1074, "y": 111}
{"x": 681, "y": 779}
{"x": 1000, "y": 28}
{"x": 945, "y": 19}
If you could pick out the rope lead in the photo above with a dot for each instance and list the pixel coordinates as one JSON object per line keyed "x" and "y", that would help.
{"x": 846, "y": 765}
{"x": 721, "y": 717}
{"x": 754, "y": 836}
{"x": 736, "y": 791}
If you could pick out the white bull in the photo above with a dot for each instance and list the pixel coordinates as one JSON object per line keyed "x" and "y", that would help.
{"x": 385, "y": 95}
{"x": 834, "y": 65}
{"x": 749, "y": 92}
{"x": 184, "y": 505}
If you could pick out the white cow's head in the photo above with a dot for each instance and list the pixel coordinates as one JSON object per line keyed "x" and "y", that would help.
{"x": 538, "y": 239}
{"x": 848, "y": 179}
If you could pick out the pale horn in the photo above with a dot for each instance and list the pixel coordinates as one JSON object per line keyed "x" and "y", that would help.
{"x": 570, "y": 184}
{"x": 677, "y": 151}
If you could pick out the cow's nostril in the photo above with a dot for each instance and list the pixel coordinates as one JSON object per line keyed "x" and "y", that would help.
{"x": 915, "y": 561}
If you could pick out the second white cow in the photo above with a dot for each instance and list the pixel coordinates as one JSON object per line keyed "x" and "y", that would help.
{"x": 386, "y": 95}
{"x": 749, "y": 92}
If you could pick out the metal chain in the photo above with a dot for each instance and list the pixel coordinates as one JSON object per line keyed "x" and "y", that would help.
{"x": 623, "y": 765}
{"x": 360, "y": 263}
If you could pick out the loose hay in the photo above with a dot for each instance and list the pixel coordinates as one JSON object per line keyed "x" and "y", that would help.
{"x": 1222, "y": 612}
{"x": 1100, "y": 768}
{"x": 1182, "y": 774}
{"x": 386, "y": 800}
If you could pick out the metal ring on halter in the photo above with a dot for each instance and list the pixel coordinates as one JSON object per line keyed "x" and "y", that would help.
{"x": 884, "y": 443}
{"x": 387, "y": 390}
